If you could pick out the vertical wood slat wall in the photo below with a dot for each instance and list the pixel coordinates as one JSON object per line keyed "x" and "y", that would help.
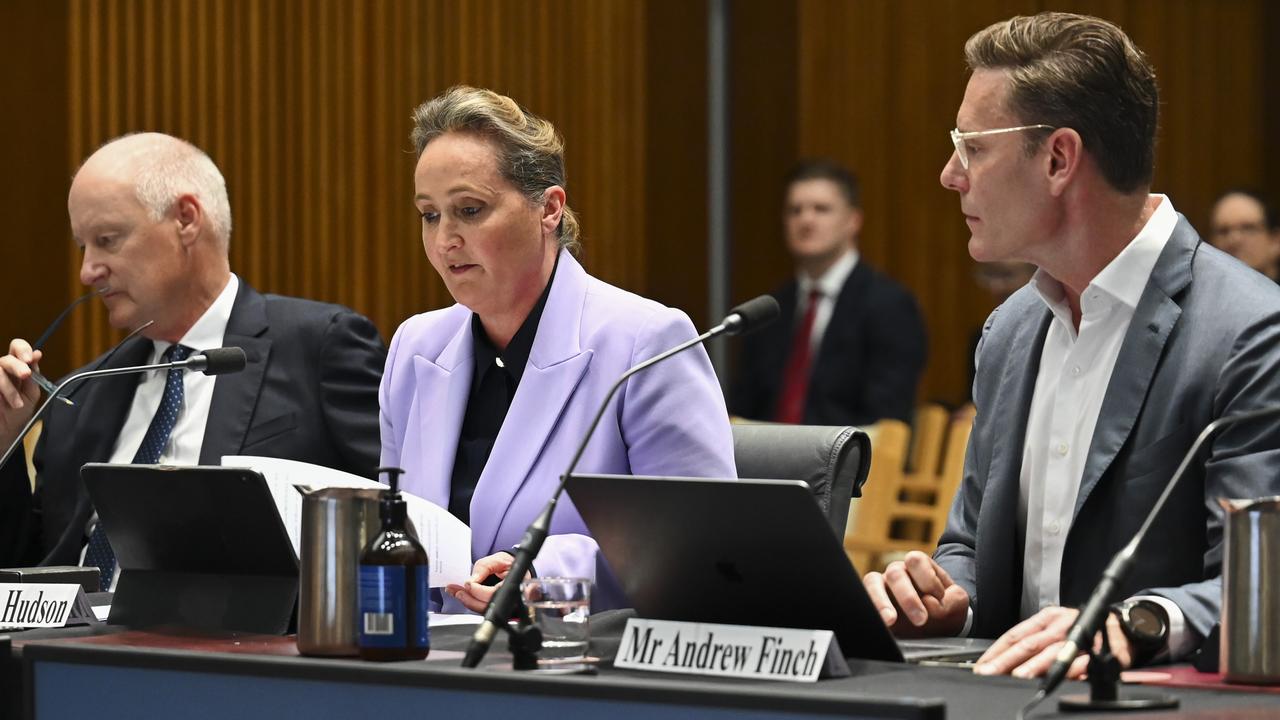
{"x": 305, "y": 104}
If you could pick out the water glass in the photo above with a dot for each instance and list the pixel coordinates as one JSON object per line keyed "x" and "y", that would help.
{"x": 561, "y": 608}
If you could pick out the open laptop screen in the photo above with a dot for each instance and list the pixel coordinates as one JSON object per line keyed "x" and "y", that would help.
{"x": 745, "y": 552}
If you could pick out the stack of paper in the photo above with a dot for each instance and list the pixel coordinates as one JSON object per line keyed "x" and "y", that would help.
{"x": 446, "y": 539}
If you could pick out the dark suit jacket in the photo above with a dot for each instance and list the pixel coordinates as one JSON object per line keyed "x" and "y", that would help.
{"x": 868, "y": 364}
{"x": 1204, "y": 343}
{"x": 309, "y": 392}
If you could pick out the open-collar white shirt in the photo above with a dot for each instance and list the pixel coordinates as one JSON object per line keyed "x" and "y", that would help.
{"x": 1075, "y": 371}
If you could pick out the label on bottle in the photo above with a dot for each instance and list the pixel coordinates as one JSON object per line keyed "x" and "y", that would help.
{"x": 383, "y": 606}
{"x": 421, "y": 580}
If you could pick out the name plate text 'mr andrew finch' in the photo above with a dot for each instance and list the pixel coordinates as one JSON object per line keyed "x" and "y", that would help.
{"x": 723, "y": 650}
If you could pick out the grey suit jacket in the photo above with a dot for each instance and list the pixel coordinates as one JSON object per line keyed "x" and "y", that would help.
{"x": 1204, "y": 343}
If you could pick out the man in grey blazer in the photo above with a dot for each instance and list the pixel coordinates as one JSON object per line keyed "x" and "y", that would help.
{"x": 1094, "y": 380}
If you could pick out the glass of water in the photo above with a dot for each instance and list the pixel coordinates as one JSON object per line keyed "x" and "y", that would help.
{"x": 561, "y": 609}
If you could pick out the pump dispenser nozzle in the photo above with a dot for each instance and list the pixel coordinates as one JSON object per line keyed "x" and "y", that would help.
{"x": 394, "y": 508}
{"x": 393, "y": 479}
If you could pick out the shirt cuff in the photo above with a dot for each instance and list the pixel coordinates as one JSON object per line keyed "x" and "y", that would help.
{"x": 968, "y": 624}
{"x": 1182, "y": 640}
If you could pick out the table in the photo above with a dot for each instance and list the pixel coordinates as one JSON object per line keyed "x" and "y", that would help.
{"x": 159, "y": 674}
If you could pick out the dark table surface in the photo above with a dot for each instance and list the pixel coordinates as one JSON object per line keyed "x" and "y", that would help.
{"x": 886, "y": 685}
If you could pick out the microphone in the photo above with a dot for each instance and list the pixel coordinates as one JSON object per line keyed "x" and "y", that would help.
{"x": 1095, "y": 610}
{"x": 218, "y": 361}
{"x": 747, "y": 317}
{"x": 750, "y": 316}
{"x": 210, "y": 362}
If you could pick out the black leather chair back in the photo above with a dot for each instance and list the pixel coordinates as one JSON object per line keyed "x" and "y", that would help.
{"x": 833, "y": 460}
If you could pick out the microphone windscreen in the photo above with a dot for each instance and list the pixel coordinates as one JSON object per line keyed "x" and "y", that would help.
{"x": 752, "y": 315}
{"x": 223, "y": 360}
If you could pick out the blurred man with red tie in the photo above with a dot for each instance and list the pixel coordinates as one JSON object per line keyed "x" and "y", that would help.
{"x": 851, "y": 343}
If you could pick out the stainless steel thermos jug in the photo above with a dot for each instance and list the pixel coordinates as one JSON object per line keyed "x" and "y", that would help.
{"x": 337, "y": 523}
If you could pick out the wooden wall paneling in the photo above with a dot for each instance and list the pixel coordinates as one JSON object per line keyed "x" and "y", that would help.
{"x": 764, "y": 111}
{"x": 36, "y": 248}
{"x": 672, "y": 196}
{"x": 766, "y": 45}
{"x": 86, "y": 84}
{"x": 1265, "y": 88}
{"x": 305, "y": 107}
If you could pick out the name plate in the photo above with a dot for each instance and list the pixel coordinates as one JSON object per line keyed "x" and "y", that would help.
{"x": 739, "y": 651}
{"x": 40, "y": 605}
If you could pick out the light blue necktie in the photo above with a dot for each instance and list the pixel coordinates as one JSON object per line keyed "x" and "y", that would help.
{"x": 99, "y": 552}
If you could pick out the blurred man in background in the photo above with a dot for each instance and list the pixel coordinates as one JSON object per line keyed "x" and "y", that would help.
{"x": 1245, "y": 225}
{"x": 850, "y": 345}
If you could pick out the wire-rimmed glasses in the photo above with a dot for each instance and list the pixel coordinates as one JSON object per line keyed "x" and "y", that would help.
{"x": 43, "y": 381}
{"x": 958, "y": 138}
{"x": 36, "y": 375}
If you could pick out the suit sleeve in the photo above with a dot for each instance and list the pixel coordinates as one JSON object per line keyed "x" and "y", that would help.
{"x": 19, "y": 529}
{"x": 1243, "y": 462}
{"x": 956, "y": 551}
{"x": 897, "y": 349}
{"x": 353, "y": 357}
{"x": 390, "y": 434}
{"x": 672, "y": 416}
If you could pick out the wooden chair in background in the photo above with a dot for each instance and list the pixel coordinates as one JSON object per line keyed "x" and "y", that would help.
{"x": 900, "y": 509}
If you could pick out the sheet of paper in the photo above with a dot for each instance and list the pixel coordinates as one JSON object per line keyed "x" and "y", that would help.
{"x": 446, "y": 539}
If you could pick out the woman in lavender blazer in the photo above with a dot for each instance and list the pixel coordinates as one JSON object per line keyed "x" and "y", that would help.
{"x": 489, "y": 184}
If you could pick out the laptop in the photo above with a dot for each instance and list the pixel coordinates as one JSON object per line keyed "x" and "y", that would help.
{"x": 742, "y": 552}
{"x": 200, "y": 547}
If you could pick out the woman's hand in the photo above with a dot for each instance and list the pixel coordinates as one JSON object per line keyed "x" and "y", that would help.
{"x": 473, "y": 594}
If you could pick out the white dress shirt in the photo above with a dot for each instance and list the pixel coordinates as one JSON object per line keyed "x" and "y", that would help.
{"x": 1075, "y": 370}
{"x": 829, "y": 285}
{"x": 187, "y": 437}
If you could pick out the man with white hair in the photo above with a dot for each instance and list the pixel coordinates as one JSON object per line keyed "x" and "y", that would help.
{"x": 151, "y": 216}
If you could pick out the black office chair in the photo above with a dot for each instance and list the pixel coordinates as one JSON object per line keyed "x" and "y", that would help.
{"x": 833, "y": 460}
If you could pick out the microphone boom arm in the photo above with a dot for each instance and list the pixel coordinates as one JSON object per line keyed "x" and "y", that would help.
{"x": 503, "y": 601}
{"x": 199, "y": 361}
{"x": 1091, "y": 616}
{"x": 748, "y": 316}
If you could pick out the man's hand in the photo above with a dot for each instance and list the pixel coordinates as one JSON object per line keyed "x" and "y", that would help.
{"x": 917, "y": 598}
{"x": 473, "y": 594}
{"x": 1029, "y": 648}
{"x": 19, "y": 393}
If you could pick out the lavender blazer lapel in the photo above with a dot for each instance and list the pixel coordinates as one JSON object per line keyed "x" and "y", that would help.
{"x": 556, "y": 366}
{"x": 443, "y": 387}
